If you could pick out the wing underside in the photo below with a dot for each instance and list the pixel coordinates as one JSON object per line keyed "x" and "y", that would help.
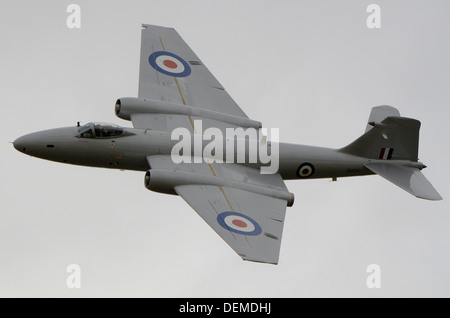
{"x": 247, "y": 209}
{"x": 252, "y": 224}
{"x": 171, "y": 71}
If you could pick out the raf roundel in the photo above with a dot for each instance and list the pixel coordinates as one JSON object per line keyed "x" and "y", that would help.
{"x": 305, "y": 170}
{"x": 239, "y": 223}
{"x": 169, "y": 64}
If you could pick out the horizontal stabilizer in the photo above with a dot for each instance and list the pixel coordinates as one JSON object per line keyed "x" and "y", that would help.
{"x": 380, "y": 113}
{"x": 408, "y": 178}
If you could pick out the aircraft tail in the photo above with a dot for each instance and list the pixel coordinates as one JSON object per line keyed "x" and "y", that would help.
{"x": 388, "y": 136}
{"x": 391, "y": 142}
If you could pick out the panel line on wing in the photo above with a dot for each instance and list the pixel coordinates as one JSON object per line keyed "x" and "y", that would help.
{"x": 220, "y": 188}
{"x": 162, "y": 44}
{"x": 179, "y": 90}
{"x": 246, "y": 238}
{"x": 226, "y": 198}
{"x": 228, "y": 201}
{"x": 212, "y": 170}
{"x": 231, "y": 207}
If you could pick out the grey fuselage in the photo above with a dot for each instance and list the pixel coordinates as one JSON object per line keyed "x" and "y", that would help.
{"x": 129, "y": 151}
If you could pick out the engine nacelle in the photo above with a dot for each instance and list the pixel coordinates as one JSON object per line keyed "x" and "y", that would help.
{"x": 158, "y": 182}
{"x": 127, "y": 106}
{"x": 165, "y": 181}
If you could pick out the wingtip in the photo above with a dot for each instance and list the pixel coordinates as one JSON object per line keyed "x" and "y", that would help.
{"x": 435, "y": 197}
{"x": 145, "y": 26}
{"x": 260, "y": 261}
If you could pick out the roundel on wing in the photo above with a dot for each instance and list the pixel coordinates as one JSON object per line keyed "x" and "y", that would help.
{"x": 169, "y": 64}
{"x": 305, "y": 170}
{"x": 239, "y": 223}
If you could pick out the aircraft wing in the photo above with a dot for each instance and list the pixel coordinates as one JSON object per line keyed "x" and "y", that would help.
{"x": 170, "y": 71}
{"x": 246, "y": 208}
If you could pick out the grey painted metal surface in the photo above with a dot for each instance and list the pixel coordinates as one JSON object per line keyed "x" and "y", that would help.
{"x": 246, "y": 208}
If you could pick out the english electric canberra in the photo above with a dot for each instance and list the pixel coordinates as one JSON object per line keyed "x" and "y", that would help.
{"x": 181, "y": 119}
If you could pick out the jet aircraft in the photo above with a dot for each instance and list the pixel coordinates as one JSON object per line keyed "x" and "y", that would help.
{"x": 244, "y": 206}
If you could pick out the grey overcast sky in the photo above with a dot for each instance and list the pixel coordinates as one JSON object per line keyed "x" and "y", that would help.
{"x": 311, "y": 68}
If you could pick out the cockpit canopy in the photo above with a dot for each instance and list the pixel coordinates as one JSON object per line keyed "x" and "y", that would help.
{"x": 99, "y": 130}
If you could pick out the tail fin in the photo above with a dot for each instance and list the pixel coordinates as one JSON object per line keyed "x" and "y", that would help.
{"x": 388, "y": 136}
{"x": 392, "y": 144}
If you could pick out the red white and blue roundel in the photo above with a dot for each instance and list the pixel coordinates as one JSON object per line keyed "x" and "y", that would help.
{"x": 169, "y": 64}
{"x": 239, "y": 223}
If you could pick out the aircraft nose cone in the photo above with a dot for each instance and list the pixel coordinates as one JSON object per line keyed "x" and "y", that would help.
{"x": 21, "y": 144}
{"x": 44, "y": 144}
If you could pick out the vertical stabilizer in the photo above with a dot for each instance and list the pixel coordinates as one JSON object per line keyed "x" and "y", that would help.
{"x": 389, "y": 138}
